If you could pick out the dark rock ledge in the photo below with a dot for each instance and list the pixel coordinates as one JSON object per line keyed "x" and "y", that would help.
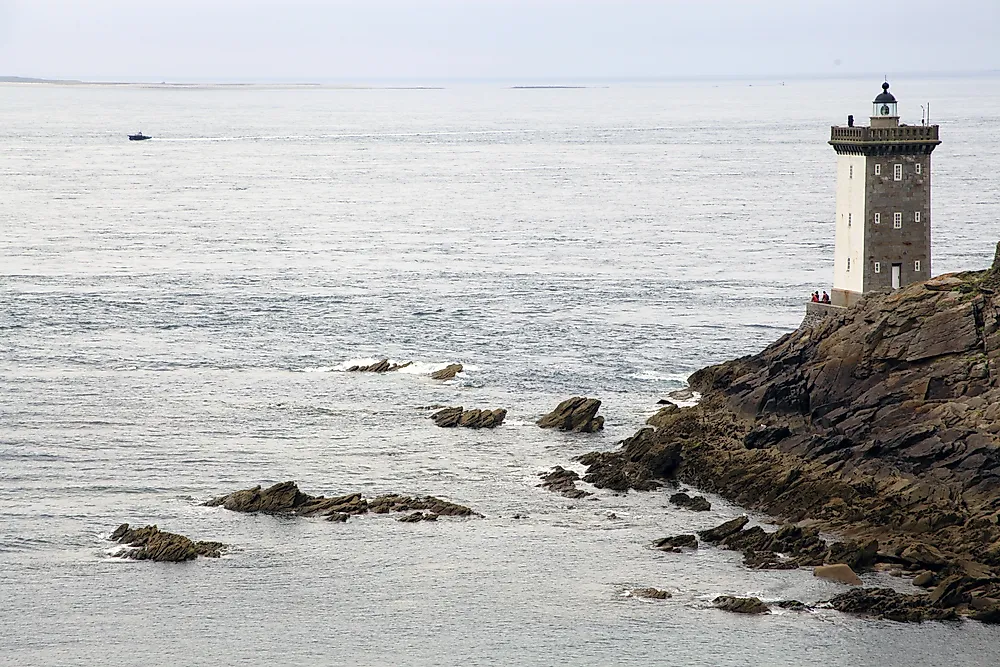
{"x": 382, "y": 366}
{"x": 151, "y": 543}
{"x": 560, "y": 480}
{"x": 878, "y": 423}
{"x": 285, "y": 498}
{"x": 451, "y": 417}
{"x": 577, "y": 414}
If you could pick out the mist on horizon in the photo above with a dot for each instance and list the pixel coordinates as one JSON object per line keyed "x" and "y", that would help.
{"x": 546, "y": 40}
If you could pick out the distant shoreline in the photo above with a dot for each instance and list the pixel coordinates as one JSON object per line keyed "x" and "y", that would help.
{"x": 193, "y": 85}
{"x": 512, "y": 82}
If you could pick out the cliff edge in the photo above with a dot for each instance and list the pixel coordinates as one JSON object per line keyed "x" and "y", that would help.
{"x": 882, "y": 422}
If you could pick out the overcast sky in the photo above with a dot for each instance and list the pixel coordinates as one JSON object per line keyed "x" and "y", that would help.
{"x": 341, "y": 40}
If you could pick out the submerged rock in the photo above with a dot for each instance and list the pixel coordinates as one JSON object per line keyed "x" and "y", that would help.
{"x": 676, "y": 543}
{"x": 563, "y": 481}
{"x": 448, "y": 372}
{"x": 151, "y": 543}
{"x": 285, "y": 498}
{"x": 383, "y": 366}
{"x": 651, "y": 593}
{"x": 451, "y": 417}
{"x": 577, "y": 414}
{"x": 417, "y": 516}
{"x": 739, "y": 605}
{"x": 695, "y": 504}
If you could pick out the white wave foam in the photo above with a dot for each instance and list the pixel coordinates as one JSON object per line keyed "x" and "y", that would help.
{"x": 318, "y": 369}
{"x": 687, "y": 403}
{"x": 415, "y": 367}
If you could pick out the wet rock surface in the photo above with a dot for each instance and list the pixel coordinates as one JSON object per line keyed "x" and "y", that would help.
{"x": 383, "y": 366}
{"x": 888, "y": 604}
{"x": 285, "y": 498}
{"x": 739, "y": 605}
{"x": 677, "y": 543}
{"x": 151, "y": 543}
{"x": 576, "y": 414}
{"x": 448, "y": 372}
{"x": 651, "y": 593}
{"x": 560, "y": 480}
{"x": 693, "y": 503}
{"x": 452, "y": 417}
{"x": 881, "y": 422}
{"x": 639, "y": 465}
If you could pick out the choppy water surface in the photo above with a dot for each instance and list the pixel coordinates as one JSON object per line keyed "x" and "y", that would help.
{"x": 174, "y": 315}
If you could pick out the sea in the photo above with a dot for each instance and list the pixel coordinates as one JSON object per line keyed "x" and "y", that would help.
{"x": 176, "y": 318}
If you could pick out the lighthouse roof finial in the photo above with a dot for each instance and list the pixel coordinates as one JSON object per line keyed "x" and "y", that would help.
{"x": 885, "y": 97}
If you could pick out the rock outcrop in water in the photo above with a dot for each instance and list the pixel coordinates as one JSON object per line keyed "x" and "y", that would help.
{"x": 448, "y": 372}
{"x": 739, "y": 605}
{"x": 285, "y": 498}
{"x": 693, "y": 503}
{"x": 560, "y": 480}
{"x": 577, "y": 414}
{"x": 881, "y": 422}
{"x": 451, "y": 417}
{"x": 382, "y": 366}
{"x": 151, "y": 543}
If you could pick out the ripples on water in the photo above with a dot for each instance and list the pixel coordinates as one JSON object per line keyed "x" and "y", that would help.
{"x": 175, "y": 315}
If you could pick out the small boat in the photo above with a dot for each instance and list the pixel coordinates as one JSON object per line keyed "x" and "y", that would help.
{"x": 138, "y": 137}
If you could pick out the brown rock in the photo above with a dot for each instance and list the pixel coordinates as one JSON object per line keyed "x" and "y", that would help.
{"x": 285, "y": 498}
{"x": 563, "y": 481}
{"x": 677, "y": 543}
{"x": 577, "y": 414}
{"x": 651, "y": 593}
{"x": 448, "y": 372}
{"x": 924, "y": 580}
{"x": 695, "y": 504}
{"x": 476, "y": 419}
{"x": 888, "y": 604}
{"x": 740, "y": 605}
{"x": 838, "y": 572}
{"x": 952, "y": 591}
{"x": 724, "y": 530}
{"x": 150, "y": 543}
{"x": 382, "y": 366}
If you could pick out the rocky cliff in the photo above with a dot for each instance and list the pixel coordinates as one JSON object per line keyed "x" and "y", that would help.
{"x": 879, "y": 422}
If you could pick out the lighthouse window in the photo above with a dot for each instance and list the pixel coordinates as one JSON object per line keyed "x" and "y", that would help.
{"x": 878, "y": 218}
{"x": 916, "y": 216}
{"x": 897, "y": 172}
{"x": 848, "y": 219}
{"x": 878, "y": 267}
{"x": 897, "y": 220}
{"x": 918, "y": 166}
{"x": 878, "y": 169}
{"x": 852, "y": 172}
{"x": 848, "y": 263}
{"x": 916, "y": 265}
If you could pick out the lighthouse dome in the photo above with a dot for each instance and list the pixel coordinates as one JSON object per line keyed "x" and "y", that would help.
{"x": 885, "y": 97}
{"x": 884, "y": 105}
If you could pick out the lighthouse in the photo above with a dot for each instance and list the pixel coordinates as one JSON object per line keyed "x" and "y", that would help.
{"x": 883, "y": 225}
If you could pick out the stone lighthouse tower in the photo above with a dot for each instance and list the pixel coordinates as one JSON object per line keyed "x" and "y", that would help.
{"x": 883, "y": 202}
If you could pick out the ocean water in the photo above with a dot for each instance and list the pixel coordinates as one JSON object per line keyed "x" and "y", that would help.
{"x": 176, "y": 314}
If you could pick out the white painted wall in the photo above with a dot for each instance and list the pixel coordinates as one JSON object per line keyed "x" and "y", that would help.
{"x": 850, "y": 241}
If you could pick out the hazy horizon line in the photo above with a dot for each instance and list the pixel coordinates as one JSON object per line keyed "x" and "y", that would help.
{"x": 415, "y": 82}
